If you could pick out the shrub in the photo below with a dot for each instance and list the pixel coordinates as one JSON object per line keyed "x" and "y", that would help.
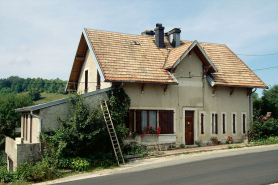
{"x": 264, "y": 129}
{"x": 80, "y": 164}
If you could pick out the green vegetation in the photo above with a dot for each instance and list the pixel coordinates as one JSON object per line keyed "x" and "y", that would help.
{"x": 48, "y": 97}
{"x": 15, "y": 84}
{"x": 9, "y": 119}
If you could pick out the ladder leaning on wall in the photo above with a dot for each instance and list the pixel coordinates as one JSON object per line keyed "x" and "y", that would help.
{"x": 112, "y": 133}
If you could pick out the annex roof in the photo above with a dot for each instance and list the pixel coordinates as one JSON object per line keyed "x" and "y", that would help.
{"x": 135, "y": 58}
{"x": 57, "y": 102}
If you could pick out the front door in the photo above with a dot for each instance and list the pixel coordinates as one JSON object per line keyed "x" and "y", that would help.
{"x": 189, "y": 127}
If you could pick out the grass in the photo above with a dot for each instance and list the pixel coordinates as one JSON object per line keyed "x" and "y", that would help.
{"x": 48, "y": 97}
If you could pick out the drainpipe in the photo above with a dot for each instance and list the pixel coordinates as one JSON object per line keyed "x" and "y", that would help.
{"x": 250, "y": 104}
{"x": 120, "y": 85}
{"x": 40, "y": 129}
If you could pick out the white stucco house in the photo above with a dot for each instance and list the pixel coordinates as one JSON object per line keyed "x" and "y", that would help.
{"x": 192, "y": 90}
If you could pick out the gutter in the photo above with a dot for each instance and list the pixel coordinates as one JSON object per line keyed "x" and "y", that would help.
{"x": 40, "y": 129}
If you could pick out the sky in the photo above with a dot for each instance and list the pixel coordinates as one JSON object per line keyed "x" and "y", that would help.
{"x": 39, "y": 38}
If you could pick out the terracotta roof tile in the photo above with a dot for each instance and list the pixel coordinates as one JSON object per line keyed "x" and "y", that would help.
{"x": 122, "y": 60}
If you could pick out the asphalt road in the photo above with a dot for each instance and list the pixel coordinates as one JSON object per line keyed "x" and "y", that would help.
{"x": 251, "y": 167}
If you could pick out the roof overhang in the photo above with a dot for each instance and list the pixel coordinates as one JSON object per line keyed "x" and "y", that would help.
{"x": 213, "y": 84}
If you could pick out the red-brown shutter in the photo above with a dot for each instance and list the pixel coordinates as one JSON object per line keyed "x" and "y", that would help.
{"x": 138, "y": 122}
{"x": 202, "y": 123}
{"x": 224, "y": 124}
{"x": 23, "y": 127}
{"x": 234, "y": 123}
{"x": 26, "y": 133}
{"x": 131, "y": 120}
{"x": 216, "y": 124}
{"x": 98, "y": 81}
{"x": 243, "y": 123}
{"x": 166, "y": 120}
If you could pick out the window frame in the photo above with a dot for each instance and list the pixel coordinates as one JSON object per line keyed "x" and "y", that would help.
{"x": 234, "y": 123}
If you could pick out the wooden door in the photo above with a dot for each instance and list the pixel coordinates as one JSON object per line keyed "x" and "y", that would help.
{"x": 189, "y": 127}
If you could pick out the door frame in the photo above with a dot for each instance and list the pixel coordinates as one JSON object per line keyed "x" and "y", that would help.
{"x": 183, "y": 123}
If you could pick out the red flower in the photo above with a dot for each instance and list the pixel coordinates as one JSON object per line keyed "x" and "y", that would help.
{"x": 143, "y": 133}
{"x": 151, "y": 128}
{"x": 155, "y": 132}
{"x": 148, "y": 127}
{"x": 158, "y": 132}
{"x": 231, "y": 138}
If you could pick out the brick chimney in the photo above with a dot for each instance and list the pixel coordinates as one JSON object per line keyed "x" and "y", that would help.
{"x": 159, "y": 35}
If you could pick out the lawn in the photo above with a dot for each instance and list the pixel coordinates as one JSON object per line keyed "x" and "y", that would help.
{"x": 48, "y": 97}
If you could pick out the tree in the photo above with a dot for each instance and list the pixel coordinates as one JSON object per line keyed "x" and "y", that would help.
{"x": 35, "y": 94}
{"x": 9, "y": 119}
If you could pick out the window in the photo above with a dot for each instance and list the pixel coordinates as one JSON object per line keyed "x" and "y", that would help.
{"x": 86, "y": 81}
{"x": 31, "y": 120}
{"x": 214, "y": 123}
{"x": 202, "y": 121}
{"x": 98, "y": 81}
{"x": 233, "y": 122}
{"x": 223, "y": 122}
{"x": 243, "y": 122}
{"x": 148, "y": 118}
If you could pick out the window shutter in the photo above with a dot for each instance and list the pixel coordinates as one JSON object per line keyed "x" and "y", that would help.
{"x": 216, "y": 124}
{"x": 131, "y": 120}
{"x": 138, "y": 122}
{"x": 202, "y": 123}
{"x": 86, "y": 81}
{"x": 166, "y": 118}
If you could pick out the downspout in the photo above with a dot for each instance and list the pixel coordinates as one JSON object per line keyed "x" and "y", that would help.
{"x": 40, "y": 129}
{"x": 120, "y": 86}
{"x": 250, "y": 104}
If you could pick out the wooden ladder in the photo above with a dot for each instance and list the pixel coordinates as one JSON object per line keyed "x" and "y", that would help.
{"x": 112, "y": 133}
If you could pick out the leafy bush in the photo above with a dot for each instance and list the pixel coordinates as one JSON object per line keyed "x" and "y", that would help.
{"x": 36, "y": 172}
{"x": 264, "y": 129}
{"x": 80, "y": 164}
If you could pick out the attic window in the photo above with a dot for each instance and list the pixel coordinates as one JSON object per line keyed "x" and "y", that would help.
{"x": 136, "y": 42}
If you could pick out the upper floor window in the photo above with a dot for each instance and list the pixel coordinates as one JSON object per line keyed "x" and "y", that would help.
{"x": 98, "y": 81}
{"x": 86, "y": 81}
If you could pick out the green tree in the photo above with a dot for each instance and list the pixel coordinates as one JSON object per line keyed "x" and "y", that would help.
{"x": 9, "y": 119}
{"x": 35, "y": 94}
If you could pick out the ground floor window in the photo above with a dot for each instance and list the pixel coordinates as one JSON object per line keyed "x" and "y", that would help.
{"x": 139, "y": 120}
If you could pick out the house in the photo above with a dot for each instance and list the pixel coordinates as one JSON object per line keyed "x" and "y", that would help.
{"x": 192, "y": 90}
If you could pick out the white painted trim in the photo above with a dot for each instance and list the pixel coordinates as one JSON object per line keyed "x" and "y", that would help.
{"x": 242, "y": 122}
{"x": 195, "y": 123}
{"x": 212, "y": 112}
{"x": 93, "y": 54}
{"x": 232, "y": 123}
{"x": 222, "y": 123}
{"x": 204, "y": 122}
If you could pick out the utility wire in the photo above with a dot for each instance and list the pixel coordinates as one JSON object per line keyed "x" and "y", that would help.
{"x": 265, "y": 68}
{"x": 259, "y": 55}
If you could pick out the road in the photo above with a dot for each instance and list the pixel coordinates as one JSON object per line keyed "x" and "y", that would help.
{"x": 256, "y": 165}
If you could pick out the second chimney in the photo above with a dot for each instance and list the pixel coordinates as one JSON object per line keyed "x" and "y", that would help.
{"x": 173, "y": 36}
{"x": 159, "y": 35}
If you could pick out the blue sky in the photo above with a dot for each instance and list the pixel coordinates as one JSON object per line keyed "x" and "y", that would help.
{"x": 40, "y": 38}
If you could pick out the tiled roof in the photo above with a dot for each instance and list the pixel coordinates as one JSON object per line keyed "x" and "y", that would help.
{"x": 232, "y": 71}
{"x": 121, "y": 60}
{"x": 176, "y": 53}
